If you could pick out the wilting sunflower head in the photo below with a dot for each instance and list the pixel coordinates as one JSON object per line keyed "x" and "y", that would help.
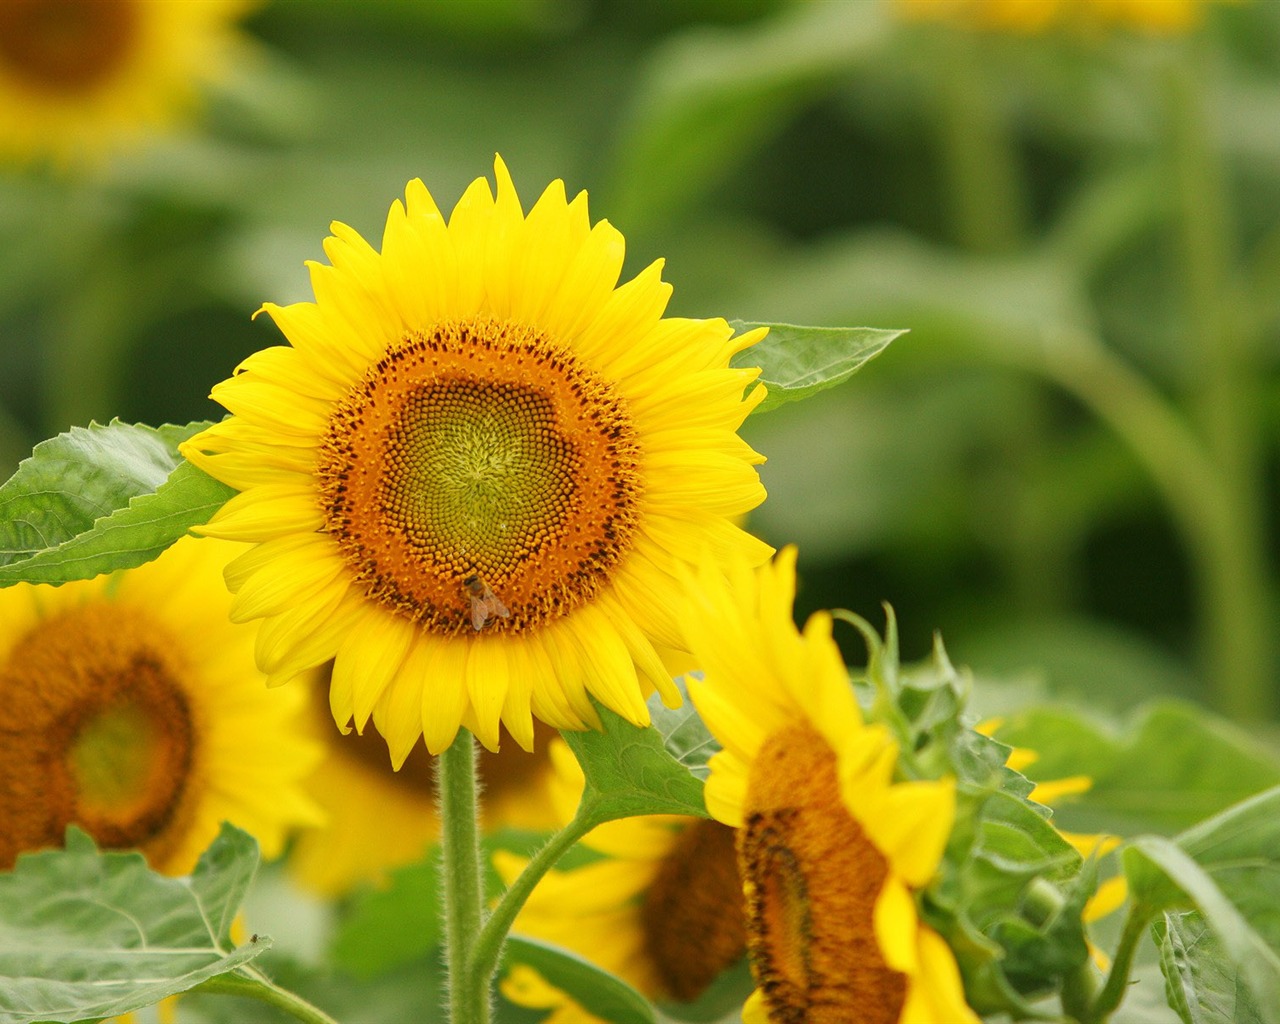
{"x": 79, "y": 78}
{"x": 129, "y": 705}
{"x": 831, "y": 847}
{"x": 662, "y": 908}
{"x": 475, "y": 474}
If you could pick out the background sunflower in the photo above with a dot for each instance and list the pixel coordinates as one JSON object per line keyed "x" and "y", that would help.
{"x": 132, "y": 709}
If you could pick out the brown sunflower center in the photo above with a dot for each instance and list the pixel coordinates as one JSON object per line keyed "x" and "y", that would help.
{"x": 66, "y": 46}
{"x": 480, "y": 477}
{"x": 692, "y": 913}
{"x": 812, "y": 880}
{"x": 95, "y": 730}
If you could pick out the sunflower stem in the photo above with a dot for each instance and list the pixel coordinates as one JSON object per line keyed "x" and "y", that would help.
{"x": 265, "y": 992}
{"x": 463, "y": 882}
{"x": 488, "y": 948}
{"x": 1117, "y": 983}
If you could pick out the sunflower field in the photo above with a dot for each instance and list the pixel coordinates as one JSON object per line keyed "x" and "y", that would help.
{"x": 639, "y": 511}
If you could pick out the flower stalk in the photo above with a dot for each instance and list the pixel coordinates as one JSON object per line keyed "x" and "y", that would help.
{"x": 463, "y": 880}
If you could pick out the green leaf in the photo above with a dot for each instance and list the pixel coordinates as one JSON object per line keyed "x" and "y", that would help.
{"x": 597, "y": 991}
{"x": 100, "y": 498}
{"x": 630, "y": 771}
{"x": 797, "y": 362}
{"x": 1201, "y": 982}
{"x": 1162, "y": 875}
{"x": 683, "y": 732}
{"x": 1173, "y": 765}
{"x": 86, "y": 935}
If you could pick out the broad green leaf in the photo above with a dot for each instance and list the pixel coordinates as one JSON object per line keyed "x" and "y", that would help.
{"x": 85, "y": 934}
{"x": 1173, "y": 765}
{"x": 796, "y": 362}
{"x": 1162, "y": 875}
{"x": 629, "y": 771}
{"x": 683, "y": 732}
{"x": 1240, "y": 848}
{"x": 597, "y": 991}
{"x": 101, "y": 498}
{"x": 1201, "y": 982}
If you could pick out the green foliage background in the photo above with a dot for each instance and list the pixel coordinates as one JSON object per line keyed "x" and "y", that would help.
{"x": 803, "y": 162}
{"x": 1069, "y": 463}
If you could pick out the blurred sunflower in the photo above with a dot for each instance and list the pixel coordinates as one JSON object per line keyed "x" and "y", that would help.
{"x": 476, "y": 473}
{"x": 377, "y": 819}
{"x": 830, "y": 847}
{"x": 662, "y": 909}
{"x": 79, "y": 77}
{"x": 526, "y": 987}
{"x": 129, "y": 705}
{"x": 1156, "y": 17}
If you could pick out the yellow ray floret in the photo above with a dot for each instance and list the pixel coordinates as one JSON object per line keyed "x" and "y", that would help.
{"x": 830, "y": 846}
{"x": 131, "y": 707}
{"x": 478, "y": 469}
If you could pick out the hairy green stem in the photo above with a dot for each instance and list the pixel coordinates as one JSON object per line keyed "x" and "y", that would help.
{"x": 463, "y": 881}
{"x": 488, "y": 946}
{"x": 265, "y": 992}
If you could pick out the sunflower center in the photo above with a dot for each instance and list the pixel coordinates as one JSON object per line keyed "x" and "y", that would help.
{"x": 812, "y": 879}
{"x": 479, "y": 476}
{"x": 692, "y": 914}
{"x": 66, "y": 46}
{"x": 94, "y": 730}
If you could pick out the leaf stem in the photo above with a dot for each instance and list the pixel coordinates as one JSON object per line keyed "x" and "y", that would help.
{"x": 266, "y": 992}
{"x": 1135, "y": 926}
{"x": 488, "y": 947}
{"x": 462, "y": 881}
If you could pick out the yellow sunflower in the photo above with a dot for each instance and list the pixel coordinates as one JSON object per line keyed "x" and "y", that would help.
{"x": 129, "y": 705}
{"x": 526, "y": 987}
{"x": 79, "y": 77}
{"x": 662, "y": 909}
{"x": 377, "y": 820}
{"x": 477, "y": 472}
{"x": 830, "y": 847}
{"x": 1154, "y": 17}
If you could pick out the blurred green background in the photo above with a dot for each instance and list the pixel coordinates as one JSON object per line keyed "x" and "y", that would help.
{"x": 1068, "y": 466}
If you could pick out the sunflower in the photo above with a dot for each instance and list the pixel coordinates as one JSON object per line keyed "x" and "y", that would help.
{"x": 662, "y": 907}
{"x": 129, "y": 705}
{"x": 1154, "y": 17}
{"x": 476, "y": 474}
{"x": 526, "y": 987}
{"x": 79, "y": 77}
{"x": 377, "y": 820}
{"x": 830, "y": 847}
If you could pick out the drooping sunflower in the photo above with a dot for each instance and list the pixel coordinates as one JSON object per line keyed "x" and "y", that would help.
{"x": 377, "y": 819}
{"x": 662, "y": 908}
{"x": 831, "y": 847}
{"x": 476, "y": 472}
{"x": 130, "y": 706}
{"x": 81, "y": 77}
